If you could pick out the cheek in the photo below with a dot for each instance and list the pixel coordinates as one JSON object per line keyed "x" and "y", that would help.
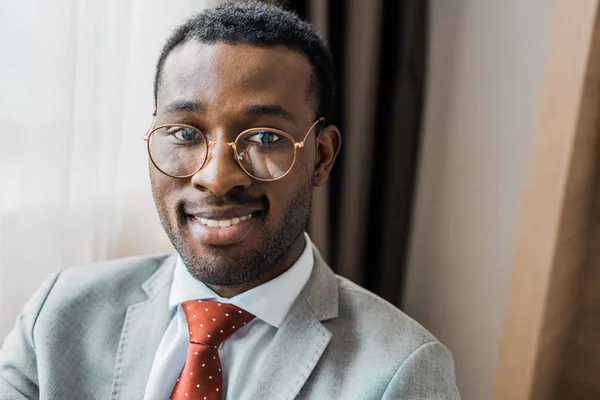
{"x": 285, "y": 192}
{"x": 163, "y": 188}
{"x": 304, "y": 168}
{"x": 306, "y": 158}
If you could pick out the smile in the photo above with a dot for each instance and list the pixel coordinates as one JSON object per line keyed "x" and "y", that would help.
{"x": 223, "y": 228}
{"x": 223, "y": 223}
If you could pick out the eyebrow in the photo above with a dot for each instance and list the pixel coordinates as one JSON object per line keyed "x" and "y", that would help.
{"x": 261, "y": 110}
{"x": 257, "y": 110}
{"x": 178, "y": 106}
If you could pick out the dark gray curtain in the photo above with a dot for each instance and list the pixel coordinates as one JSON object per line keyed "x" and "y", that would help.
{"x": 379, "y": 47}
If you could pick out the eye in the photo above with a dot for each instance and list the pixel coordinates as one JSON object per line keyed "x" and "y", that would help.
{"x": 264, "y": 137}
{"x": 185, "y": 134}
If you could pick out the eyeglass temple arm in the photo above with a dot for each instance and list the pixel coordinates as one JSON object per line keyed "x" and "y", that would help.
{"x": 301, "y": 144}
{"x": 147, "y": 135}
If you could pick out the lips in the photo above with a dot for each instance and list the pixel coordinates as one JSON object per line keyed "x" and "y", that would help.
{"x": 229, "y": 213}
{"x": 222, "y": 227}
{"x": 223, "y": 223}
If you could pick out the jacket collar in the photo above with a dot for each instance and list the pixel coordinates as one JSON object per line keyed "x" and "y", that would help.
{"x": 301, "y": 340}
{"x": 144, "y": 325}
{"x": 295, "y": 351}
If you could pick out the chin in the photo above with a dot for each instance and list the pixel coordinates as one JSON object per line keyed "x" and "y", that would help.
{"x": 225, "y": 265}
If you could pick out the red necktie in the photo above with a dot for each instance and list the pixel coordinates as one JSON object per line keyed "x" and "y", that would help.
{"x": 209, "y": 323}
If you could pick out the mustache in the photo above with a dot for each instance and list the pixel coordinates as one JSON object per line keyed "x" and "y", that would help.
{"x": 234, "y": 198}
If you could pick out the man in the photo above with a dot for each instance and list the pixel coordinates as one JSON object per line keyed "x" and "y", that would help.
{"x": 247, "y": 309}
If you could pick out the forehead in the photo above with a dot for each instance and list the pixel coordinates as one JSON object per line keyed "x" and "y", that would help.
{"x": 228, "y": 77}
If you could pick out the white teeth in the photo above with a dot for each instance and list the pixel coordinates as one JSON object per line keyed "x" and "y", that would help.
{"x": 224, "y": 223}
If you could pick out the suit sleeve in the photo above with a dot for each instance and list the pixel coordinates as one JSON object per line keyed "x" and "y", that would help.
{"x": 18, "y": 364}
{"x": 428, "y": 373}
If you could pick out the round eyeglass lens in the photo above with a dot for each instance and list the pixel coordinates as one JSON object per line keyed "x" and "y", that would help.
{"x": 265, "y": 154}
{"x": 176, "y": 150}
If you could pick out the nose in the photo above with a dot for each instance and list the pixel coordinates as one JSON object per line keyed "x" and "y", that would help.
{"x": 221, "y": 173}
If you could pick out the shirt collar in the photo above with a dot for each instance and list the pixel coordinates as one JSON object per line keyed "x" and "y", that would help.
{"x": 269, "y": 302}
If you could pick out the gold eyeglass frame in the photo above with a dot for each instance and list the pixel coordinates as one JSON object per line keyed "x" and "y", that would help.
{"x": 237, "y": 157}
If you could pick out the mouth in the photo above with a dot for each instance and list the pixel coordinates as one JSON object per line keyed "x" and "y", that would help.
{"x": 225, "y": 222}
{"x": 222, "y": 228}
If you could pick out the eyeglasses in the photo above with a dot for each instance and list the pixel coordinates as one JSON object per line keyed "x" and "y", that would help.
{"x": 265, "y": 154}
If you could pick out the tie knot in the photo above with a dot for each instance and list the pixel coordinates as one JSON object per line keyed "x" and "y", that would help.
{"x": 211, "y": 323}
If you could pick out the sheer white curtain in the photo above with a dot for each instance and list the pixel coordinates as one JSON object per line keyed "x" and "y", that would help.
{"x": 75, "y": 100}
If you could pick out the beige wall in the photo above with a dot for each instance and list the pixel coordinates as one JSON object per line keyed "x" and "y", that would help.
{"x": 555, "y": 225}
{"x": 487, "y": 60}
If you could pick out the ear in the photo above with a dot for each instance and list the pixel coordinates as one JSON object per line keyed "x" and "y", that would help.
{"x": 329, "y": 142}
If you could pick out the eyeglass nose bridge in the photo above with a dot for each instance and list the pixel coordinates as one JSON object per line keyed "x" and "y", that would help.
{"x": 230, "y": 144}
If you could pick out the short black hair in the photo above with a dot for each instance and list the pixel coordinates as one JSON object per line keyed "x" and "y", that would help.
{"x": 260, "y": 24}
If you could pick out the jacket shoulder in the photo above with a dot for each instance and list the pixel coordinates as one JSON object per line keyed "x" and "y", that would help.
{"x": 369, "y": 312}
{"x": 109, "y": 281}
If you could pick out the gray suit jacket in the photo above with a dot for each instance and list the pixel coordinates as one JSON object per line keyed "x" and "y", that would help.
{"x": 92, "y": 332}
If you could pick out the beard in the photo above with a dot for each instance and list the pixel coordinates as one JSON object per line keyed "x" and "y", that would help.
{"x": 219, "y": 265}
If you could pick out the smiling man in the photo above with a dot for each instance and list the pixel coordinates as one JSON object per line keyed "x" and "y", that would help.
{"x": 246, "y": 309}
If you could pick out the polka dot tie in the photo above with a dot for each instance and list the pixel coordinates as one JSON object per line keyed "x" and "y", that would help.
{"x": 210, "y": 323}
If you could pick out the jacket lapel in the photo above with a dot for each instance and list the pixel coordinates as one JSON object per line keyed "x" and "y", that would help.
{"x": 144, "y": 326}
{"x": 301, "y": 339}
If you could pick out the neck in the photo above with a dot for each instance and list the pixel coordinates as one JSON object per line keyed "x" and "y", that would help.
{"x": 284, "y": 263}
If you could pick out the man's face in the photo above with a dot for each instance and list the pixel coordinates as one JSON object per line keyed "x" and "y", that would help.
{"x": 224, "y": 89}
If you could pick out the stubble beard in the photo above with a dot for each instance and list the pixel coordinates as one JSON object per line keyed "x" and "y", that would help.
{"x": 222, "y": 268}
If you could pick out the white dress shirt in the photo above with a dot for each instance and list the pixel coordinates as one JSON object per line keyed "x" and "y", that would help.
{"x": 242, "y": 353}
